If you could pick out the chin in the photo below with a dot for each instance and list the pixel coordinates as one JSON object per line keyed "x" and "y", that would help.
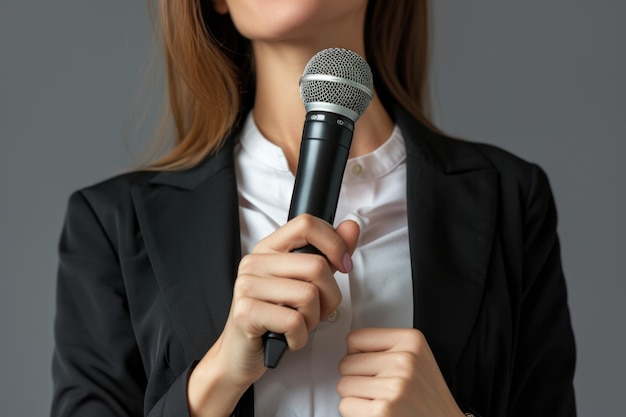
{"x": 306, "y": 20}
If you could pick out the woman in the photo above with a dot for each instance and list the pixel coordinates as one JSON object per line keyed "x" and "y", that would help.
{"x": 440, "y": 294}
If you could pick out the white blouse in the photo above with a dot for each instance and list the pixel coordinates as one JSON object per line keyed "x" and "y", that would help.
{"x": 377, "y": 293}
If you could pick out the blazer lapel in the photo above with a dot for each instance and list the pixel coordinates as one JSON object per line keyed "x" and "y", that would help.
{"x": 452, "y": 207}
{"x": 189, "y": 223}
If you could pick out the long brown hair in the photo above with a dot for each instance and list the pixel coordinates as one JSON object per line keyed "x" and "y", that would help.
{"x": 211, "y": 79}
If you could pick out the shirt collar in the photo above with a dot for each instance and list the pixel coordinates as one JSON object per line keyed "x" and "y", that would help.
{"x": 378, "y": 163}
{"x": 363, "y": 168}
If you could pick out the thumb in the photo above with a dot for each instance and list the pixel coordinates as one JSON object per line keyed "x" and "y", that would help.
{"x": 349, "y": 231}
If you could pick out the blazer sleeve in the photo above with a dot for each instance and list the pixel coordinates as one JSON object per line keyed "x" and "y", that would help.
{"x": 544, "y": 362}
{"x": 97, "y": 368}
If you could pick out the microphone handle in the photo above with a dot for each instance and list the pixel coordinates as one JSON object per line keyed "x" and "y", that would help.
{"x": 324, "y": 151}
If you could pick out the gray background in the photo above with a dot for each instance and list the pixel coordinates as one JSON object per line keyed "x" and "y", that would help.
{"x": 544, "y": 79}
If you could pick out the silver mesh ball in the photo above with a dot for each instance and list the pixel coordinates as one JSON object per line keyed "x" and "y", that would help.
{"x": 338, "y": 77}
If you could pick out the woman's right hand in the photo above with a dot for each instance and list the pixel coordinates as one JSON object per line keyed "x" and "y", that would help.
{"x": 275, "y": 290}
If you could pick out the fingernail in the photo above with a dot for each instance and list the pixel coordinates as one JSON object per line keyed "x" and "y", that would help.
{"x": 347, "y": 262}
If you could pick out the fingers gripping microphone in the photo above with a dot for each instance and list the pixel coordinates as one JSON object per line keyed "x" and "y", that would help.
{"x": 336, "y": 88}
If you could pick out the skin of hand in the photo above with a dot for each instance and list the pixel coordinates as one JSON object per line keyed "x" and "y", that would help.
{"x": 278, "y": 291}
{"x": 392, "y": 372}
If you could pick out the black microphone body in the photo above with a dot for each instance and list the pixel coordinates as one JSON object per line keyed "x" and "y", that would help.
{"x": 336, "y": 88}
{"x": 324, "y": 151}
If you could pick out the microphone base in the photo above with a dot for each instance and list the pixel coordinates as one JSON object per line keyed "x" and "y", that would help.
{"x": 275, "y": 346}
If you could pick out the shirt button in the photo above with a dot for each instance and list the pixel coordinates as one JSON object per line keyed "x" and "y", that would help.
{"x": 333, "y": 317}
{"x": 356, "y": 169}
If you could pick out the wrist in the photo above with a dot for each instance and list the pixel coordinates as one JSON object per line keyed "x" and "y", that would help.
{"x": 210, "y": 391}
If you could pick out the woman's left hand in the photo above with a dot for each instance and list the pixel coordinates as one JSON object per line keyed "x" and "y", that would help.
{"x": 392, "y": 372}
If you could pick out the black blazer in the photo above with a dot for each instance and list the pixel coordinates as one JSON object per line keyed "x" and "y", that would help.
{"x": 147, "y": 263}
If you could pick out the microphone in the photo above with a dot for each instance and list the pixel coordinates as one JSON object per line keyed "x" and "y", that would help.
{"x": 336, "y": 88}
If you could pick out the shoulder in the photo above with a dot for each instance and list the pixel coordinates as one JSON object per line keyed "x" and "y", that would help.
{"x": 505, "y": 162}
{"x": 112, "y": 205}
{"x": 523, "y": 187}
{"x": 467, "y": 154}
{"x": 462, "y": 152}
{"x": 453, "y": 156}
{"x": 96, "y": 214}
{"x": 521, "y": 183}
{"x": 114, "y": 192}
{"x": 516, "y": 174}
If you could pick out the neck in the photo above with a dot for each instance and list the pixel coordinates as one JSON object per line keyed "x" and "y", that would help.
{"x": 279, "y": 112}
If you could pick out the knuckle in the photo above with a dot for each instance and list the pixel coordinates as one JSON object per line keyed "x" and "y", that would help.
{"x": 243, "y": 308}
{"x": 382, "y": 408}
{"x": 344, "y": 407}
{"x": 293, "y": 320}
{"x": 418, "y": 335}
{"x": 354, "y": 336}
{"x": 404, "y": 360}
{"x": 350, "y": 338}
{"x": 310, "y": 293}
{"x": 243, "y": 285}
{"x": 343, "y": 365}
{"x": 305, "y": 222}
{"x": 297, "y": 336}
{"x": 415, "y": 339}
{"x": 245, "y": 264}
{"x": 339, "y": 387}
{"x": 337, "y": 245}
{"x": 397, "y": 386}
{"x": 318, "y": 265}
{"x": 297, "y": 343}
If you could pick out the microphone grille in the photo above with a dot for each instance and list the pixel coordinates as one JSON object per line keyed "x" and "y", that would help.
{"x": 338, "y": 78}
